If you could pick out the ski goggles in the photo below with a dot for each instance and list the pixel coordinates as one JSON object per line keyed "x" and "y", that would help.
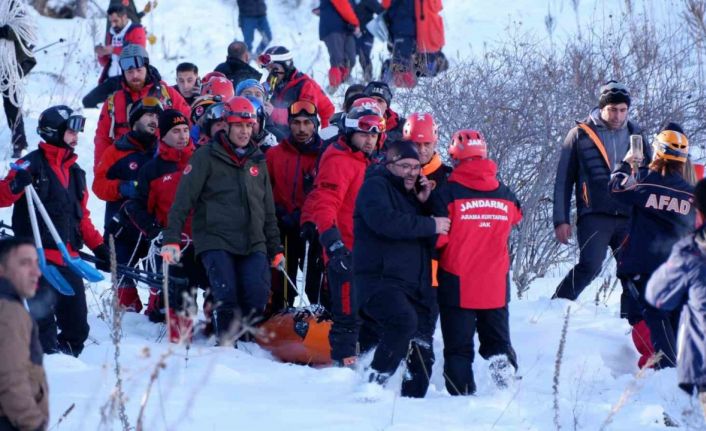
{"x": 366, "y": 124}
{"x": 128, "y": 63}
{"x": 151, "y": 102}
{"x": 267, "y": 59}
{"x": 76, "y": 123}
{"x": 302, "y": 107}
{"x": 217, "y": 111}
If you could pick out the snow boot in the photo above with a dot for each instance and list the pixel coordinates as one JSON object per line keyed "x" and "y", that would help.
{"x": 378, "y": 378}
{"x": 208, "y": 327}
{"x": 128, "y": 299}
{"x": 404, "y": 79}
{"x": 335, "y": 79}
{"x": 224, "y": 328}
{"x": 155, "y": 306}
{"x": 181, "y": 327}
{"x": 643, "y": 342}
{"x": 501, "y": 371}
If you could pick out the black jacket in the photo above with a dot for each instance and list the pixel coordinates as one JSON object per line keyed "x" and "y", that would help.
{"x": 252, "y": 8}
{"x": 584, "y": 168}
{"x": 366, "y": 10}
{"x": 662, "y": 214}
{"x": 400, "y": 19}
{"x": 237, "y": 70}
{"x": 393, "y": 240}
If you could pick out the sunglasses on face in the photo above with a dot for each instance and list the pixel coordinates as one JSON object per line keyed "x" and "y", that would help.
{"x": 131, "y": 63}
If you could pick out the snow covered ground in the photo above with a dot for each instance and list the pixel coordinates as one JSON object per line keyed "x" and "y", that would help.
{"x": 210, "y": 388}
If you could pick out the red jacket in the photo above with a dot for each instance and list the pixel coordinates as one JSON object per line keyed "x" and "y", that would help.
{"x": 113, "y": 122}
{"x": 430, "y": 26}
{"x": 300, "y": 87}
{"x": 134, "y": 35}
{"x": 474, "y": 259}
{"x": 292, "y": 171}
{"x": 62, "y": 162}
{"x": 331, "y": 203}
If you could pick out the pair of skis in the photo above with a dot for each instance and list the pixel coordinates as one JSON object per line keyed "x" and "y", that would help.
{"x": 50, "y": 272}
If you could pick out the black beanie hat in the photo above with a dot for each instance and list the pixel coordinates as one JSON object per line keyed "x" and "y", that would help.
{"x": 399, "y": 150}
{"x": 675, "y": 127}
{"x": 613, "y": 93}
{"x": 170, "y": 118}
{"x": 379, "y": 89}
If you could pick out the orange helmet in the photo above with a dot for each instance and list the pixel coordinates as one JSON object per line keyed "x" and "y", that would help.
{"x": 419, "y": 128}
{"x": 218, "y": 86}
{"x": 671, "y": 145}
{"x": 467, "y": 144}
{"x": 240, "y": 110}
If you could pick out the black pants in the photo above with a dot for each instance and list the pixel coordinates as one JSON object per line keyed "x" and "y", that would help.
{"x": 405, "y": 325}
{"x": 240, "y": 286}
{"x": 595, "y": 232}
{"x": 343, "y": 336}
{"x": 364, "y": 48}
{"x": 101, "y": 92}
{"x": 402, "y": 54}
{"x": 15, "y": 123}
{"x": 458, "y": 327}
{"x": 69, "y": 313}
{"x": 663, "y": 324}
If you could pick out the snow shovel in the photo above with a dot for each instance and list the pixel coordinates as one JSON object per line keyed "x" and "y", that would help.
{"x": 77, "y": 265}
{"x": 50, "y": 272}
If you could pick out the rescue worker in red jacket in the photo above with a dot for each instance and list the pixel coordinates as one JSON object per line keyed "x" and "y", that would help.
{"x": 474, "y": 264}
{"x": 156, "y": 187}
{"x": 292, "y": 167}
{"x": 381, "y": 92}
{"x": 286, "y": 86}
{"x": 139, "y": 80}
{"x": 115, "y": 181}
{"x": 122, "y": 32}
{"x": 61, "y": 185}
{"x": 329, "y": 207}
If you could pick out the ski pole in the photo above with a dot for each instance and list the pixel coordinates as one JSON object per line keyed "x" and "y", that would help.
{"x": 42, "y": 48}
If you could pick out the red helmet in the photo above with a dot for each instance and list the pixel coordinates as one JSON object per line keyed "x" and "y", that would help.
{"x": 240, "y": 110}
{"x": 367, "y": 103}
{"x": 218, "y": 86}
{"x": 419, "y": 128}
{"x": 207, "y": 77}
{"x": 467, "y": 144}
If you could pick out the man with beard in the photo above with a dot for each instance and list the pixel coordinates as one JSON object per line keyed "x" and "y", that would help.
{"x": 156, "y": 187}
{"x": 292, "y": 167}
{"x": 61, "y": 185}
{"x": 329, "y": 210}
{"x": 122, "y": 32}
{"x": 115, "y": 181}
{"x": 139, "y": 80}
{"x": 392, "y": 266}
{"x": 226, "y": 188}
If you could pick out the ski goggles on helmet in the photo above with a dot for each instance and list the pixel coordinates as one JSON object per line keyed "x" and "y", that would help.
{"x": 128, "y": 63}
{"x": 76, "y": 123}
{"x": 267, "y": 59}
{"x": 302, "y": 107}
{"x": 366, "y": 124}
{"x": 214, "y": 112}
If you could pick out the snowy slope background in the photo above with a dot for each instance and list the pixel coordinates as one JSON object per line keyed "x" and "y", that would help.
{"x": 210, "y": 388}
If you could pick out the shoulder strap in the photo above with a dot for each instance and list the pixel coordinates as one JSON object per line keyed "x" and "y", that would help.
{"x": 111, "y": 113}
{"x": 596, "y": 140}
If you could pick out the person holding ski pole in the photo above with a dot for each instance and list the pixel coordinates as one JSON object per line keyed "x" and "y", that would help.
{"x": 60, "y": 184}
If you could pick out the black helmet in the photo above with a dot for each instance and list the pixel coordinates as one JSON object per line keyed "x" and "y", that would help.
{"x": 54, "y": 121}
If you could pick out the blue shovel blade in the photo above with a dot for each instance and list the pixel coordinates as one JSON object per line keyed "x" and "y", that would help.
{"x": 53, "y": 276}
{"x": 81, "y": 268}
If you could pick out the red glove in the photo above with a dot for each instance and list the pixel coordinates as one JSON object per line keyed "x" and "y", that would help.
{"x": 278, "y": 261}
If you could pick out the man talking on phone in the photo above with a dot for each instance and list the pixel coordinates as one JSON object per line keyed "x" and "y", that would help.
{"x": 393, "y": 242}
{"x": 590, "y": 152}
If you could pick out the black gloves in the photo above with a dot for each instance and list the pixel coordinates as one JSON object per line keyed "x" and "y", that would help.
{"x": 340, "y": 258}
{"x": 22, "y": 179}
{"x": 308, "y": 232}
{"x": 103, "y": 255}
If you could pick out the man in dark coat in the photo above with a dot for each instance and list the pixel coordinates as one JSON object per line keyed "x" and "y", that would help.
{"x": 681, "y": 282}
{"x": 392, "y": 266}
{"x": 338, "y": 29}
{"x": 588, "y": 155}
{"x": 365, "y": 10}
{"x": 236, "y": 67}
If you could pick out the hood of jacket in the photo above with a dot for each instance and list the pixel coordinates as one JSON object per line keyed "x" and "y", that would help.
{"x": 476, "y": 174}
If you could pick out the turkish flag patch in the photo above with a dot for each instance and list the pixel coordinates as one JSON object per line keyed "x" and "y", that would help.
{"x": 187, "y": 169}
{"x": 254, "y": 171}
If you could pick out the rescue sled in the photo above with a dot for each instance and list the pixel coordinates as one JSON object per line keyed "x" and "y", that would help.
{"x": 298, "y": 336}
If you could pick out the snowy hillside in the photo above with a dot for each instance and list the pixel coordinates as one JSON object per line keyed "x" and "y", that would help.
{"x": 209, "y": 388}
